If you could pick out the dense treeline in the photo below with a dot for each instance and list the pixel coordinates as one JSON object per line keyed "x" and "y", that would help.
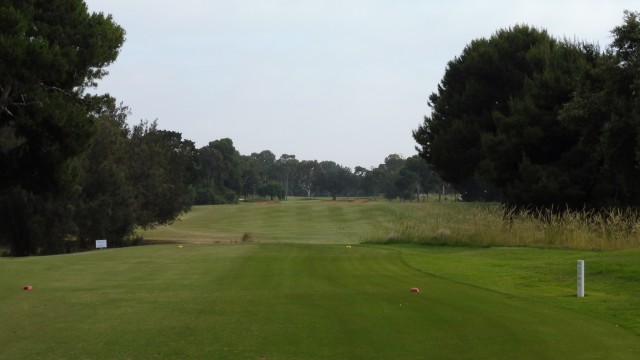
{"x": 540, "y": 122}
{"x": 73, "y": 171}
{"x": 50, "y": 51}
{"x": 224, "y": 176}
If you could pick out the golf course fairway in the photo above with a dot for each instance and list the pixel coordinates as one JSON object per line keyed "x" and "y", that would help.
{"x": 277, "y": 301}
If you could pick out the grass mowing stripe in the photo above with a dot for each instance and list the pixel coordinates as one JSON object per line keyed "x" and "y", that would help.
{"x": 311, "y": 221}
{"x": 549, "y": 276}
{"x": 276, "y": 301}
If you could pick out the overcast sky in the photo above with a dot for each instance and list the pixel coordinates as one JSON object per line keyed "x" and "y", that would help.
{"x": 340, "y": 80}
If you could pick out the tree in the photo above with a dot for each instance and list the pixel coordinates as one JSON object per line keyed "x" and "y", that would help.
{"x": 285, "y": 170}
{"x": 405, "y": 183}
{"x": 359, "y": 174}
{"x": 495, "y": 116}
{"x": 105, "y": 208}
{"x": 605, "y": 114}
{"x": 272, "y": 189}
{"x": 264, "y": 162}
{"x": 249, "y": 175}
{"x": 231, "y": 159}
{"x": 161, "y": 170}
{"x": 221, "y": 174}
{"x": 211, "y": 175}
{"x": 52, "y": 47}
{"x": 373, "y": 182}
{"x": 306, "y": 176}
{"x": 50, "y": 52}
{"x": 427, "y": 180}
{"x": 390, "y": 170}
{"x": 333, "y": 178}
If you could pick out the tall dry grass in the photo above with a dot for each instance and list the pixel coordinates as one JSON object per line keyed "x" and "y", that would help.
{"x": 494, "y": 225}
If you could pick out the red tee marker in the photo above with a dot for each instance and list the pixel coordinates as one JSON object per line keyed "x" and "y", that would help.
{"x": 28, "y": 287}
{"x": 415, "y": 290}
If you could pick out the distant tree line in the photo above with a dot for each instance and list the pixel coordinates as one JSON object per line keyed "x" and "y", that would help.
{"x": 224, "y": 176}
{"x": 538, "y": 122}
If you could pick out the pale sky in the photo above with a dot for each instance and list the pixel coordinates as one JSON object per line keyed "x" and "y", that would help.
{"x": 345, "y": 80}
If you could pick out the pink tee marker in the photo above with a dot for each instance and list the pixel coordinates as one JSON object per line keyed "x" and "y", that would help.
{"x": 415, "y": 290}
{"x": 28, "y": 287}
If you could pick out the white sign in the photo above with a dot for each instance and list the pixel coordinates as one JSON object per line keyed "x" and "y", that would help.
{"x": 580, "y": 278}
{"x": 101, "y": 244}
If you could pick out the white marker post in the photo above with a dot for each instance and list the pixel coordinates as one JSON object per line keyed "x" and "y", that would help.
{"x": 580, "y": 278}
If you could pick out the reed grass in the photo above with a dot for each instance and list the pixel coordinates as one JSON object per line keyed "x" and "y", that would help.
{"x": 494, "y": 225}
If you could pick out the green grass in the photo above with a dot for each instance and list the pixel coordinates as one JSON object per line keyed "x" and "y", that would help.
{"x": 325, "y": 221}
{"x": 544, "y": 275}
{"x": 278, "y": 301}
{"x": 296, "y": 291}
{"x": 309, "y": 221}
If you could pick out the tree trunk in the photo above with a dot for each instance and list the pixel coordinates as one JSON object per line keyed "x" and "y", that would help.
{"x": 4, "y": 99}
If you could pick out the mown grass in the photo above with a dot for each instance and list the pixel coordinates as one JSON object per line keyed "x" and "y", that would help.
{"x": 280, "y": 301}
{"x": 544, "y": 275}
{"x": 309, "y": 221}
{"x": 481, "y": 233}
{"x": 293, "y": 289}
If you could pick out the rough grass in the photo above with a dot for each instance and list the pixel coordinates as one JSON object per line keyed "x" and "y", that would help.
{"x": 280, "y": 301}
{"x": 463, "y": 224}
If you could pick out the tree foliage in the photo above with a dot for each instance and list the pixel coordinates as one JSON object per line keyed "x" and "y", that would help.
{"x": 161, "y": 169}
{"x": 605, "y": 115}
{"x": 526, "y": 114}
{"x": 50, "y": 51}
{"x": 105, "y": 207}
{"x": 222, "y": 173}
{"x": 73, "y": 171}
